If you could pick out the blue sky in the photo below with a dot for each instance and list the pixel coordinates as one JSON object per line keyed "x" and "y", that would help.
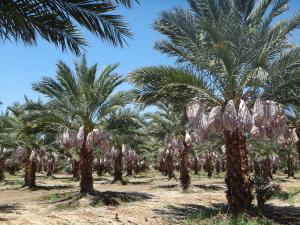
{"x": 20, "y": 65}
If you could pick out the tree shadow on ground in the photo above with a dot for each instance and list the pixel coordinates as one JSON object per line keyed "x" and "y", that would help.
{"x": 8, "y": 208}
{"x": 285, "y": 195}
{"x": 209, "y": 187}
{"x": 52, "y": 187}
{"x": 102, "y": 179}
{"x": 167, "y": 186}
{"x": 11, "y": 184}
{"x": 140, "y": 176}
{"x": 283, "y": 214}
{"x": 282, "y": 180}
{"x": 114, "y": 198}
{"x": 61, "y": 197}
{"x": 183, "y": 211}
{"x": 97, "y": 199}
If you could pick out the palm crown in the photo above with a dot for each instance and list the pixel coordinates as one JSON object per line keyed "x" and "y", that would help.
{"x": 226, "y": 50}
{"x": 81, "y": 99}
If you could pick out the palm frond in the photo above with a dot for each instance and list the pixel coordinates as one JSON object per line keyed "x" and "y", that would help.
{"x": 57, "y": 22}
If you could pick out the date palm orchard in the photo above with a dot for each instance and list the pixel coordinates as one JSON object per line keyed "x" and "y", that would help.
{"x": 226, "y": 50}
{"x": 83, "y": 100}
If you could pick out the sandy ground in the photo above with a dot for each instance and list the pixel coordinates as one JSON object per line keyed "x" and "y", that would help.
{"x": 148, "y": 199}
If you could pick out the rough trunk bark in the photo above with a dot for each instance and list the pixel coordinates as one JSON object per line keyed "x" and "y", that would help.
{"x": 39, "y": 167}
{"x": 129, "y": 169}
{"x": 30, "y": 170}
{"x": 136, "y": 168}
{"x": 256, "y": 167}
{"x": 266, "y": 166}
{"x": 75, "y": 169}
{"x": 218, "y": 166}
{"x": 208, "y": 167}
{"x": 298, "y": 144}
{"x": 298, "y": 150}
{"x": 12, "y": 169}
{"x": 170, "y": 167}
{"x": 2, "y": 176}
{"x": 50, "y": 168}
{"x": 274, "y": 169}
{"x": 86, "y": 168}
{"x": 118, "y": 175}
{"x": 99, "y": 171}
{"x": 223, "y": 165}
{"x": 290, "y": 169}
{"x": 99, "y": 168}
{"x": 196, "y": 171}
{"x": 184, "y": 172}
{"x": 239, "y": 184}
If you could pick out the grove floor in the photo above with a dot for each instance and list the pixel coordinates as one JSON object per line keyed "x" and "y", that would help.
{"x": 146, "y": 199}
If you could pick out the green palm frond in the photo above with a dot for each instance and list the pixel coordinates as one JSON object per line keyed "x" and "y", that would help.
{"x": 79, "y": 98}
{"x": 57, "y": 21}
{"x": 224, "y": 50}
{"x": 171, "y": 84}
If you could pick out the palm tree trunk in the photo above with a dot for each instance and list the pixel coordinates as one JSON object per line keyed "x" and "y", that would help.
{"x": 223, "y": 165}
{"x": 75, "y": 169}
{"x": 196, "y": 166}
{"x": 184, "y": 172}
{"x": 118, "y": 175}
{"x": 2, "y": 176}
{"x": 274, "y": 169}
{"x": 170, "y": 167}
{"x": 86, "y": 168}
{"x": 239, "y": 184}
{"x": 218, "y": 167}
{"x": 129, "y": 169}
{"x": 298, "y": 144}
{"x": 208, "y": 167}
{"x": 136, "y": 168}
{"x": 290, "y": 170}
{"x": 298, "y": 151}
{"x": 30, "y": 170}
{"x": 266, "y": 166}
{"x": 50, "y": 168}
{"x": 99, "y": 168}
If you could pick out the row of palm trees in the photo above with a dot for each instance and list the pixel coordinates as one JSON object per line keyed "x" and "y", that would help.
{"x": 37, "y": 125}
{"x": 225, "y": 51}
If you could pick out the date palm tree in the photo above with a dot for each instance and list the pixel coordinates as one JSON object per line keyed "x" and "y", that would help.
{"x": 170, "y": 121}
{"x": 15, "y": 135}
{"x": 58, "y": 21}
{"x": 294, "y": 122}
{"x": 124, "y": 128}
{"x": 225, "y": 50}
{"x": 3, "y": 143}
{"x": 81, "y": 99}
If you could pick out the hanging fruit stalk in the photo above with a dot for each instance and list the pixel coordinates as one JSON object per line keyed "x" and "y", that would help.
{"x": 268, "y": 121}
